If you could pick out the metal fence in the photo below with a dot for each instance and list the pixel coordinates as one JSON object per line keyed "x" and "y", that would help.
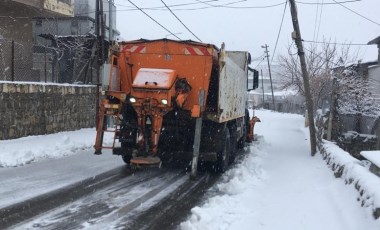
{"x": 15, "y": 64}
{"x": 62, "y": 63}
{"x": 364, "y": 124}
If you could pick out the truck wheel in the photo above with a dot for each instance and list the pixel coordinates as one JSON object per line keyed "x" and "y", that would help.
{"x": 233, "y": 143}
{"x": 126, "y": 158}
{"x": 224, "y": 154}
{"x": 241, "y": 142}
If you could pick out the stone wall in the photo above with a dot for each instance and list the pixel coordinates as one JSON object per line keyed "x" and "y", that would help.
{"x": 351, "y": 170}
{"x": 36, "y": 109}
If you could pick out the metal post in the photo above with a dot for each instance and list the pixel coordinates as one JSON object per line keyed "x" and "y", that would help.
{"x": 45, "y": 65}
{"x": 197, "y": 138}
{"x": 332, "y": 111}
{"x": 13, "y": 61}
{"x": 110, "y": 18}
{"x": 97, "y": 63}
{"x": 102, "y": 30}
{"x": 262, "y": 85}
{"x": 270, "y": 73}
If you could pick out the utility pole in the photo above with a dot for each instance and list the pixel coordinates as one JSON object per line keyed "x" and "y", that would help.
{"x": 102, "y": 29}
{"x": 99, "y": 30}
{"x": 110, "y": 19}
{"x": 270, "y": 73}
{"x": 305, "y": 76}
{"x": 262, "y": 84}
{"x": 332, "y": 110}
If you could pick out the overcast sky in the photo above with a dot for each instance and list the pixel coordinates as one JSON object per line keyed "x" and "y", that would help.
{"x": 243, "y": 27}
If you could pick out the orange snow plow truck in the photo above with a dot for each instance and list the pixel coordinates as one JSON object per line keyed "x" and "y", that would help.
{"x": 176, "y": 100}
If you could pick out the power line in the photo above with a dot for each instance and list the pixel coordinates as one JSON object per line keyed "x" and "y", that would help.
{"x": 336, "y": 43}
{"x": 279, "y": 32}
{"x": 180, "y": 21}
{"x": 222, "y": 5}
{"x": 327, "y": 3}
{"x": 163, "y": 8}
{"x": 320, "y": 20}
{"x": 240, "y": 7}
{"x": 190, "y": 9}
{"x": 154, "y": 20}
{"x": 260, "y": 62}
{"x": 357, "y": 13}
{"x": 316, "y": 20}
{"x": 258, "y": 58}
{"x": 336, "y": 64}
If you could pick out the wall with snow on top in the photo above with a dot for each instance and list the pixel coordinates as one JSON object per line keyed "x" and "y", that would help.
{"x": 354, "y": 173}
{"x": 36, "y": 109}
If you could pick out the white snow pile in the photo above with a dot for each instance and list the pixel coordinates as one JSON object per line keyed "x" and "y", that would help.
{"x": 354, "y": 172}
{"x": 18, "y": 152}
{"x": 237, "y": 185}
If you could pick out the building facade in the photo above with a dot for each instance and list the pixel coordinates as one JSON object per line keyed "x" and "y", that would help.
{"x": 16, "y": 34}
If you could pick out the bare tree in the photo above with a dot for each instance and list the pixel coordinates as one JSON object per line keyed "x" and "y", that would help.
{"x": 320, "y": 61}
{"x": 70, "y": 49}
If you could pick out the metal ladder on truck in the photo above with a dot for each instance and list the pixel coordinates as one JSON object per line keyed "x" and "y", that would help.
{"x": 107, "y": 110}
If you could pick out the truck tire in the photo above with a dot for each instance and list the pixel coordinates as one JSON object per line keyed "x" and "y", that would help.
{"x": 125, "y": 153}
{"x": 223, "y": 154}
{"x": 126, "y": 158}
{"x": 233, "y": 143}
{"x": 243, "y": 139}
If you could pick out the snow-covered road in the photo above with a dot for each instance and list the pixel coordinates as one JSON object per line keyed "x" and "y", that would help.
{"x": 280, "y": 186}
{"x": 40, "y": 164}
{"x": 277, "y": 186}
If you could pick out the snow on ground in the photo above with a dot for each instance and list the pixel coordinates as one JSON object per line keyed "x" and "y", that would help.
{"x": 48, "y": 162}
{"x": 29, "y": 149}
{"x": 280, "y": 186}
{"x": 356, "y": 173}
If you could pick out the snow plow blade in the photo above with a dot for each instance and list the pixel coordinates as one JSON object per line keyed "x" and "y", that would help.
{"x": 146, "y": 161}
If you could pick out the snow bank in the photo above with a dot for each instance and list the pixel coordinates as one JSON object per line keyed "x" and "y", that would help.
{"x": 237, "y": 183}
{"x": 29, "y": 149}
{"x": 354, "y": 172}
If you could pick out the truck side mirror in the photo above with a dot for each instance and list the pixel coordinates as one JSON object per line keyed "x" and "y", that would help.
{"x": 253, "y": 79}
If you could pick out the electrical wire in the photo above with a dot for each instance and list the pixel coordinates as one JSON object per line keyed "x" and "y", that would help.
{"x": 336, "y": 43}
{"x": 328, "y": 3}
{"x": 163, "y": 8}
{"x": 357, "y": 13}
{"x": 260, "y": 62}
{"x": 180, "y": 21}
{"x": 258, "y": 58}
{"x": 240, "y": 7}
{"x": 312, "y": 52}
{"x": 316, "y": 21}
{"x": 320, "y": 20}
{"x": 154, "y": 20}
{"x": 279, "y": 31}
{"x": 191, "y": 9}
{"x": 227, "y": 4}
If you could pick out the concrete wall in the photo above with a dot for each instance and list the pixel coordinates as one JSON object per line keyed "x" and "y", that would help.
{"x": 36, "y": 109}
